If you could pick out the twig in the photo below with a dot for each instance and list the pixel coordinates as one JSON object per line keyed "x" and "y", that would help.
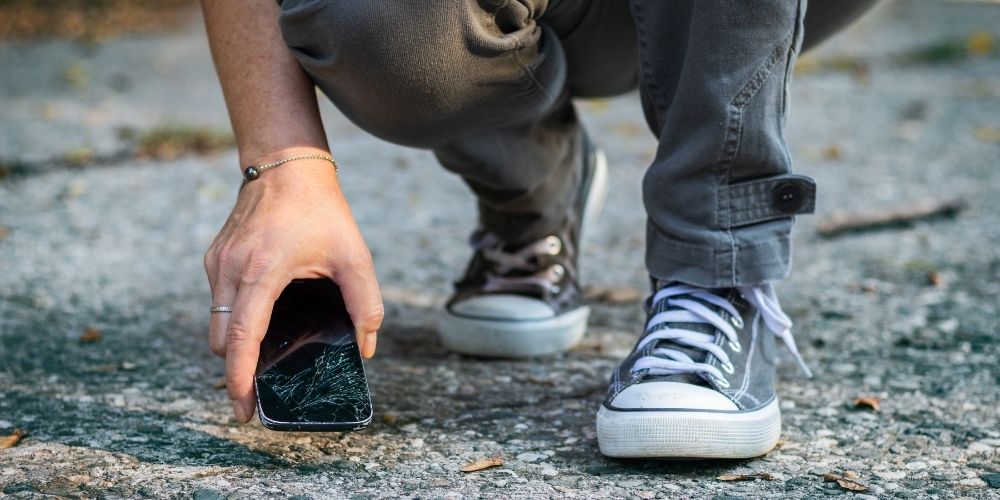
{"x": 899, "y": 216}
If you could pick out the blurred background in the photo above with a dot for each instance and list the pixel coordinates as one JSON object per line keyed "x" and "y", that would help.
{"x": 117, "y": 168}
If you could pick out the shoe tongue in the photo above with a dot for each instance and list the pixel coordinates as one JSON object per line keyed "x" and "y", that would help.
{"x": 697, "y": 355}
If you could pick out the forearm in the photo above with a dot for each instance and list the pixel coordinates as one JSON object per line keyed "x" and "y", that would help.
{"x": 271, "y": 101}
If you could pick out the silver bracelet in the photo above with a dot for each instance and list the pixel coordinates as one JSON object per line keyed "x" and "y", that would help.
{"x": 253, "y": 172}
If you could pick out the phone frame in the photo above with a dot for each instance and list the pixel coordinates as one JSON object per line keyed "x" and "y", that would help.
{"x": 278, "y": 425}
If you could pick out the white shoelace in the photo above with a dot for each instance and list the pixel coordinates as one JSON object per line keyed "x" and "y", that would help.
{"x": 667, "y": 361}
{"x": 519, "y": 260}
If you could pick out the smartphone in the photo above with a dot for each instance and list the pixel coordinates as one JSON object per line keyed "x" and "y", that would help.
{"x": 310, "y": 376}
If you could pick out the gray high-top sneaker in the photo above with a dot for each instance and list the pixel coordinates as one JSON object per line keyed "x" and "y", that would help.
{"x": 700, "y": 381}
{"x": 524, "y": 299}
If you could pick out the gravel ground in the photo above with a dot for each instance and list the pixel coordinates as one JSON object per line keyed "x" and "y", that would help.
{"x": 886, "y": 114}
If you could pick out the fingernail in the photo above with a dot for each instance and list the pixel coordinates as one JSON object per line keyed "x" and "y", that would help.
{"x": 369, "y": 348}
{"x": 241, "y": 412}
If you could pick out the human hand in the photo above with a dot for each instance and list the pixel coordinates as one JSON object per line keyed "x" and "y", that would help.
{"x": 292, "y": 222}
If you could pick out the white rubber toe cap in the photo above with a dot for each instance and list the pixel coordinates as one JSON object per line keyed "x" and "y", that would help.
{"x": 672, "y": 395}
{"x": 503, "y": 307}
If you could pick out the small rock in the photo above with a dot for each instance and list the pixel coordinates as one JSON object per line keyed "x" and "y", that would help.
{"x": 19, "y": 488}
{"x": 207, "y": 494}
{"x": 992, "y": 480}
{"x": 825, "y": 443}
{"x": 890, "y": 474}
{"x": 979, "y": 447}
{"x": 972, "y": 482}
{"x": 530, "y": 457}
{"x": 550, "y": 472}
{"x": 945, "y": 475}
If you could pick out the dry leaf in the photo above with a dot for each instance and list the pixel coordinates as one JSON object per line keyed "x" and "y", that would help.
{"x": 390, "y": 418}
{"x": 833, "y": 153}
{"x": 541, "y": 381}
{"x": 988, "y": 134}
{"x": 980, "y": 43}
{"x": 589, "y": 347}
{"x": 845, "y": 482}
{"x": 485, "y": 463}
{"x": 935, "y": 279}
{"x": 612, "y": 294}
{"x": 746, "y": 477}
{"x": 90, "y": 335}
{"x": 4, "y": 232}
{"x": 11, "y": 440}
{"x": 867, "y": 401}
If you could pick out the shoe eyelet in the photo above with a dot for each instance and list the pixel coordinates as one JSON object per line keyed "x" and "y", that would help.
{"x": 554, "y": 245}
{"x": 736, "y": 321}
{"x": 558, "y": 271}
{"x": 728, "y": 367}
{"x": 735, "y": 347}
{"x": 721, "y": 382}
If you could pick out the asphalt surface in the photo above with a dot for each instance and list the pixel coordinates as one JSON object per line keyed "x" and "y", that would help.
{"x": 904, "y": 107}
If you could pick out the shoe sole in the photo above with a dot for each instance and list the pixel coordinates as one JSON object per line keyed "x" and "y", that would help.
{"x": 495, "y": 338}
{"x": 688, "y": 433}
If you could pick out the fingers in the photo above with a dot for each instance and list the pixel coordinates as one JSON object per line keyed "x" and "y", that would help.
{"x": 364, "y": 301}
{"x": 247, "y": 326}
{"x": 223, "y": 294}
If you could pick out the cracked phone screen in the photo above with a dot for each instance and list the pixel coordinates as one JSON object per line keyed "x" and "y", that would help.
{"x": 310, "y": 371}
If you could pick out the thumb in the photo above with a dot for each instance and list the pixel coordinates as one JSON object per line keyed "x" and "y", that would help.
{"x": 364, "y": 302}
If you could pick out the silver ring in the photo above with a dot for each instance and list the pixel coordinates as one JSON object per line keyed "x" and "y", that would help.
{"x": 221, "y": 309}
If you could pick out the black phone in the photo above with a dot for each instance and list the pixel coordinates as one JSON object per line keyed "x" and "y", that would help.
{"x": 310, "y": 376}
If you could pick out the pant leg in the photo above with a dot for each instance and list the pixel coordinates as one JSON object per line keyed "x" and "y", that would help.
{"x": 421, "y": 73}
{"x": 486, "y": 84}
{"x": 525, "y": 176}
{"x": 719, "y": 195}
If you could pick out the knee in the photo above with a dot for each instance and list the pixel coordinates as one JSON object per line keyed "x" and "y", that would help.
{"x": 377, "y": 64}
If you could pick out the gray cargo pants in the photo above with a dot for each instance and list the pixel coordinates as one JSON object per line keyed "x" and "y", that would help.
{"x": 487, "y": 85}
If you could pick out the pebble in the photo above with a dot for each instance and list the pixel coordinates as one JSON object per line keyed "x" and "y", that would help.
{"x": 890, "y": 474}
{"x": 825, "y": 443}
{"x": 550, "y": 472}
{"x": 972, "y": 482}
{"x": 980, "y": 447}
{"x": 207, "y": 494}
{"x": 531, "y": 457}
{"x": 993, "y": 480}
{"x": 945, "y": 475}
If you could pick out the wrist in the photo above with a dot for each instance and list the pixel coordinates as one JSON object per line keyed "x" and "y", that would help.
{"x": 292, "y": 166}
{"x": 258, "y": 158}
